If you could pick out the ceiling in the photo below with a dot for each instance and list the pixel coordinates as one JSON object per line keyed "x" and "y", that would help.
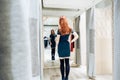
{"x": 69, "y": 8}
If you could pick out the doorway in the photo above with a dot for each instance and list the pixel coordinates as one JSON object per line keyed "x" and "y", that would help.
{"x": 84, "y": 59}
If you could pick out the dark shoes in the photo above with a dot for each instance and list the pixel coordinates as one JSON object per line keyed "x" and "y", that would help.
{"x": 53, "y": 57}
{"x": 64, "y": 78}
{"x": 93, "y": 77}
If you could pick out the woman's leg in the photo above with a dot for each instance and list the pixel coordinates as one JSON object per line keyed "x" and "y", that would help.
{"x": 62, "y": 68}
{"x": 53, "y": 53}
{"x": 67, "y": 65}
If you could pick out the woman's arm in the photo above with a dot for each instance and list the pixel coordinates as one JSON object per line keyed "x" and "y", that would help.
{"x": 75, "y": 37}
{"x": 57, "y": 39}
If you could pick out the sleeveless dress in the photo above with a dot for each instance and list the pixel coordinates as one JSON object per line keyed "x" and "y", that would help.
{"x": 64, "y": 46}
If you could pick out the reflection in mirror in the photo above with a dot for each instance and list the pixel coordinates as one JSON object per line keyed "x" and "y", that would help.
{"x": 50, "y": 23}
{"x": 51, "y": 59}
{"x": 52, "y": 67}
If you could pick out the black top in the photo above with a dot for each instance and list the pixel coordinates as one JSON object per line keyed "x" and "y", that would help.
{"x": 52, "y": 40}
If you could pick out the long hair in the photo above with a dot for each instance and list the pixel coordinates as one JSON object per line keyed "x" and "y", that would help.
{"x": 64, "y": 27}
{"x": 52, "y": 32}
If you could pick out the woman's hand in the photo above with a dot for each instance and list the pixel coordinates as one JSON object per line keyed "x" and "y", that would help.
{"x": 50, "y": 43}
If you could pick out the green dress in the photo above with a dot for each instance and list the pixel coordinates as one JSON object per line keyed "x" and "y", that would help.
{"x": 64, "y": 46}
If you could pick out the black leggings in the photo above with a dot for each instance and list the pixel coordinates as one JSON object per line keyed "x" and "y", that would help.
{"x": 53, "y": 53}
{"x": 67, "y": 67}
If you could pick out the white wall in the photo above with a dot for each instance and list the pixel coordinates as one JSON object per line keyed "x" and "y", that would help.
{"x": 103, "y": 39}
{"x": 103, "y": 25}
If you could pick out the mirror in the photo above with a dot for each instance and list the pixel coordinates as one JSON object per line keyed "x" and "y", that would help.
{"x": 51, "y": 23}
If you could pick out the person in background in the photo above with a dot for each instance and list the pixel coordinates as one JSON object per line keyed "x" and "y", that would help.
{"x": 64, "y": 40}
{"x": 45, "y": 42}
{"x": 52, "y": 44}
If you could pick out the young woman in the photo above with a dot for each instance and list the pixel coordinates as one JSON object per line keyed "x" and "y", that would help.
{"x": 53, "y": 44}
{"x": 64, "y": 41}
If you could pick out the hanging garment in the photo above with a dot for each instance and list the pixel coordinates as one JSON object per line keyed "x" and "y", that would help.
{"x": 72, "y": 44}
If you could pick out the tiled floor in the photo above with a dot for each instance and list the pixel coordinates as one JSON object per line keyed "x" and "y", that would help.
{"x": 52, "y": 71}
{"x": 75, "y": 74}
{"x": 102, "y": 77}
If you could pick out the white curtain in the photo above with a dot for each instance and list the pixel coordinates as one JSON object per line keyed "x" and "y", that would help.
{"x": 77, "y": 48}
{"x": 90, "y": 37}
{"x": 15, "y": 54}
{"x": 116, "y": 65}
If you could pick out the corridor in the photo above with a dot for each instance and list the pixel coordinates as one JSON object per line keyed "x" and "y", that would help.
{"x": 25, "y": 28}
{"x": 52, "y": 71}
{"x": 77, "y": 73}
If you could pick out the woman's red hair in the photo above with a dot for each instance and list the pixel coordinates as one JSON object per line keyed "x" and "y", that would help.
{"x": 64, "y": 27}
